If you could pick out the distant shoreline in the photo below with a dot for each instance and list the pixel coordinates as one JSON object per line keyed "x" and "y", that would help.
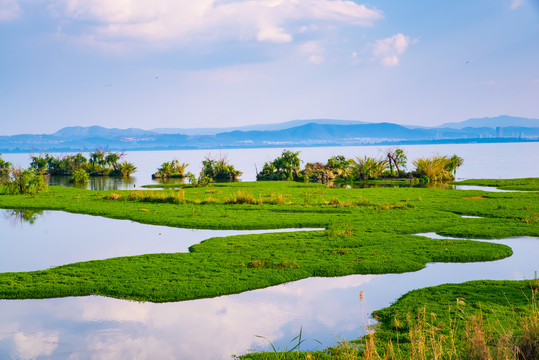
{"x": 268, "y": 146}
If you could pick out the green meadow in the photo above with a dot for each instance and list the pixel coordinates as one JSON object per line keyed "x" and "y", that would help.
{"x": 366, "y": 231}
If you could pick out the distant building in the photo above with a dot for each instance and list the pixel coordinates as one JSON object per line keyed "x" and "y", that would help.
{"x": 499, "y": 132}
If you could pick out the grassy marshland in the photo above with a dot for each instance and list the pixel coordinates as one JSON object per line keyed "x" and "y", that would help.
{"x": 368, "y": 231}
{"x": 472, "y": 320}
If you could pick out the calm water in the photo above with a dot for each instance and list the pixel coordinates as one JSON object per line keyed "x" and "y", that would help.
{"x": 326, "y": 309}
{"x": 493, "y": 161}
{"x": 52, "y": 238}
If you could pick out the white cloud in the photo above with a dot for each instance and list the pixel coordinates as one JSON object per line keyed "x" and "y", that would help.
{"x": 316, "y": 59}
{"x": 315, "y": 51}
{"x": 354, "y": 58}
{"x": 515, "y": 4}
{"x": 9, "y": 10}
{"x": 273, "y": 34}
{"x": 310, "y": 47}
{"x": 184, "y": 21}
{"x": 388, "y": 50}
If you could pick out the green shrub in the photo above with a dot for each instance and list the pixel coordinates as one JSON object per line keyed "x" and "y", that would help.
{"x": 21, "y": 181}
{"x": 218, "y": 169}
{"x": 79, "y": 176}
{"x": 284, "y": 167}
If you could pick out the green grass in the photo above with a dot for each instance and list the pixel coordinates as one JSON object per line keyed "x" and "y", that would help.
{"x": 369, "y": 233}
{"x": 524, "y": 184}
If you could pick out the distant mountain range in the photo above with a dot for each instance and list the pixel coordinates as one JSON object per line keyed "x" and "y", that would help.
{"x": 297, "y": 133}
{"x": 493, "y": 122}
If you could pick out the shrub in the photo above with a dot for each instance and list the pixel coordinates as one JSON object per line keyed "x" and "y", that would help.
{"x": 218, "y": 169}
{"x": 367, "y": 168}
{"x": 20, "y": 181}
{"x": 201, "y": 181}
{"x": 4, "y": 168}
{"x": 126, "y": 168}
{"x": 171, "y": 169}
{"x": 79, "y": 176}
{"x": 284, "y": 167}
{"x": 437, "y": 168}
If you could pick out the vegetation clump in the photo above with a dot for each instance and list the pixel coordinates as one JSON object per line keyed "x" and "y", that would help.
{"x": 361, "y": 169}
{"x": 284, "y": 167}
{"x": 100, "y": 163}
{"x": 219, "y": 169}
{"x": 170, "y": 169}
{"x": 22, "y": 181}
{"x": 437, "y": 168}
{"x": 4, "y": 168}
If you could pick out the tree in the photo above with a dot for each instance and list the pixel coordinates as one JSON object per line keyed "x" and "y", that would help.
{"x": 112, "y": 159}
{"x": 98, "y": 157}
{"x": 396, "y": 157}
{"x": 39, "y": 164}
{"x": 454, "y": 163}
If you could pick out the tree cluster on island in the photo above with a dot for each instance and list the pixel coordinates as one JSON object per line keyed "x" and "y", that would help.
{"x": 287, "y": 166}
{"x": 99, "y": 163}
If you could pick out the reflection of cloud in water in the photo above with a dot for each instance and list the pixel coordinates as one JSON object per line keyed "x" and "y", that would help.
{"x": 113, "y": 346}
{"x": 114, "y": 310}
{"x": 33, "y": 345}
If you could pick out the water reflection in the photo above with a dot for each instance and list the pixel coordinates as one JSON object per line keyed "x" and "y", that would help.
{"x": 436, "y": 185}
{"x": 327, "y": 309}
{"x": 20, "y": 216}
{"x": 95, "y": 182}
{"x": 58, "y": 238}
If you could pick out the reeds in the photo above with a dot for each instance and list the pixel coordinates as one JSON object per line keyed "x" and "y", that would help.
{"x": 435, "y": 168}
{"x": 478, "y": 335}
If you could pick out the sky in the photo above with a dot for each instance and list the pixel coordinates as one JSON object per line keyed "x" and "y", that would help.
{"x": 223, "y": 63}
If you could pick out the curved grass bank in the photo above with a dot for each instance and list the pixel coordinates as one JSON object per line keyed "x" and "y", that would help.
{"x": 367, "y": 234}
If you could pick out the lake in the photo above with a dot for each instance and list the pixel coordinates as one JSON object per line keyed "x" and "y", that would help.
{"x": 325, "y": 309}
{"x": 493, "y": 161}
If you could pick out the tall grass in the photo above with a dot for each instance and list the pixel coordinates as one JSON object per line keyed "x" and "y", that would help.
{"x": 435, "y": 168}
{"x": 486, "y": 334}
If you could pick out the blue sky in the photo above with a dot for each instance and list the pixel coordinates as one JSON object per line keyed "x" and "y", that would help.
{"x": 219, "y": 63}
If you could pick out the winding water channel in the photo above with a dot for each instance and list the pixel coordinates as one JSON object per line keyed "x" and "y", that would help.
{"x": 94, "y": 327}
